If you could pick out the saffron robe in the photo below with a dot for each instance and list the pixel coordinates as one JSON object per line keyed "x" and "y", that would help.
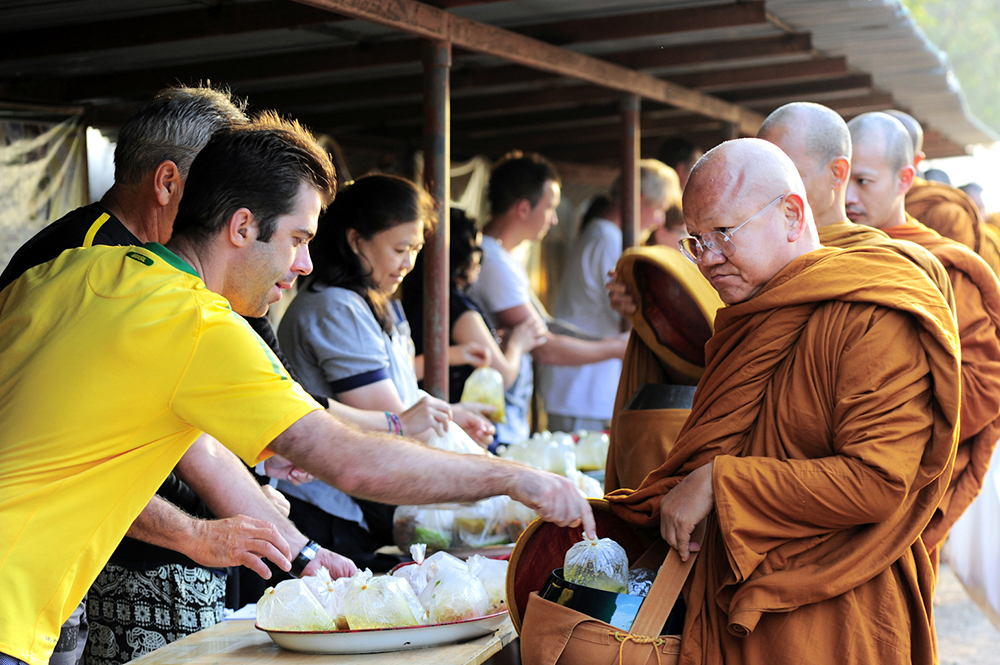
{"x": 829, "y": 407}
{"x": 977, "y": 296}
{"x": 947, "y": 210}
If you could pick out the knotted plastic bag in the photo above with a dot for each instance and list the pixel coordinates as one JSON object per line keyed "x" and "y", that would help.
{"x": 485, "y": 386}
{"x": 598, "y": 564}
{"x": 292, "y": 606}
{"x": 330, "y": 594}
{"x": 484, "y": 523}
{"x": 417, "y": 573}
{"x": 493, "y": 574}
{"x": 454, "y": 595}
{"x": 381, "y": 602}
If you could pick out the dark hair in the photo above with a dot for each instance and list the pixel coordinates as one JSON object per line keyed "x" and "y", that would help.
{"x": 599, "y": 207}
{"x": 519, "y": 176}
{"x": 676, "y": 150}
{"x": 369, "y": 205}
{"x": 174, "y": 126}
{"x": 260, "y": 167}
{"x": 464, "y": 244}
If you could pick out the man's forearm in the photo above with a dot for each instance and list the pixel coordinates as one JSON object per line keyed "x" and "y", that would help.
{"x": 564, "y": 350}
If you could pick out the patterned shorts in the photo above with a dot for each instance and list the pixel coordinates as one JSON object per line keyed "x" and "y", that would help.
{"x": 133, "y": 612}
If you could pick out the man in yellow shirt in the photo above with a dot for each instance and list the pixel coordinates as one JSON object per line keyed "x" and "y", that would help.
{"x": 74, "y": 472}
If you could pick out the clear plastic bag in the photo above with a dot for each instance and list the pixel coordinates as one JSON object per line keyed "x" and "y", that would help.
{"x": 598, "y": 564}
{"x": 415, "y": 573}
{"x": 454, "y": 595}
{"x": 330, "y": 594}
{"x": 483, "y": 524}
{"x": 493, "y": 574}
{"x": 485, "y": 386}
{"x": 586, "y": 485}
{"x": 519, "y": 516}
{"x": 455, "y": 440}
{"x": 381, "y": 602}
{"x": 432, "y": 525}
{"x": 592, "y": 451}
{"x": 292, "y": 606}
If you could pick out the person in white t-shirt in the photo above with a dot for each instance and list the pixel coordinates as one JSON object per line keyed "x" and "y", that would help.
{"x": 582, "y": 398}
{"x": 524, "y": 192}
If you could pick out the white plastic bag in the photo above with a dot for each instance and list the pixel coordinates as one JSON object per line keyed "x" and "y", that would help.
{"x": 483, "y": 524}
{"x": 519, "y": 516}
{"x": 586, "y": 485}
{"x": 485, "y": 386}
{"x": 330, "y": 594}
{"x": 381, "y": 602}
{"x": 598, "y": 564}
{"x": 292, "y": 606}
{"x": 454, "y": 595}
{"x": 432, "y": 525}
{"x": 592, "y": 451}
{"x": 457, "y": 441}
{"x": 415, "y": 573}
{"x": 493, "y": 574}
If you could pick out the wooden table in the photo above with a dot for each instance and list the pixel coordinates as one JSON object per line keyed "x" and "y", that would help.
{"x": 239, "y": 643}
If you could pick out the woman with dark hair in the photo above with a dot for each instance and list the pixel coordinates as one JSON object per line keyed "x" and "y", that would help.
{"x": 467, "y": 325}
{"x": 348, "y": 339}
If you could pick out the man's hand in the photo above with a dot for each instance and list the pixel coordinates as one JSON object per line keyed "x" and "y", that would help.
{"x": 239, "y": 541}
{"x": 277, "y": 498}
{"x": 338, "y": 566}
{"x": 278, "y": 467}
{"x": 682, "y": 508}
{"x": 554, "y": 498}
{"x": 480, "y": 429}
{"x": 622, "y": 301}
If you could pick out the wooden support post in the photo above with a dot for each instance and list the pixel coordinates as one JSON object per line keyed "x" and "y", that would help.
{"x": 437, "y": 179}
{"x": 630, "y": 171}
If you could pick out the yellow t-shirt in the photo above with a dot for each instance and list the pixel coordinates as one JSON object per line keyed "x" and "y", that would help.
{"x": 113, "y": 360}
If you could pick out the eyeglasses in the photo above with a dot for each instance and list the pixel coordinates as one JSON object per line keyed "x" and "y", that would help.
{"x": 717, "y": 241}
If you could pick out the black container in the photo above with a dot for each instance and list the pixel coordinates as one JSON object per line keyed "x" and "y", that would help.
{"x": 617, "y": 609}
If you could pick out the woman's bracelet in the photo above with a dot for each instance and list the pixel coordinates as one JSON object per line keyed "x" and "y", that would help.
{"x": 395, "y": 424}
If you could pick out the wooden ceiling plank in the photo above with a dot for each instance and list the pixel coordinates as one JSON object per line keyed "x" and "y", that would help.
{"x": 817, "y": 68}
{"x": 709, "y": 52}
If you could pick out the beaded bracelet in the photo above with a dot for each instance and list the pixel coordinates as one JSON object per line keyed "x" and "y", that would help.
{"x": 395, "y": 424}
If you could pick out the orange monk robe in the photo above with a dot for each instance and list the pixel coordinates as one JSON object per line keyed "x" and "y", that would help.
{"x": 977, "y": 296}
{"x": 829, "y": 407}
{"x": 947, "y": 210}
{"x": 847, "y": 234}
{"x": 993, "y": 220}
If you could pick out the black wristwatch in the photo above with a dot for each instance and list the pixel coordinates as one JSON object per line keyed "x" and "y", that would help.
{"x": 307, "y": 554}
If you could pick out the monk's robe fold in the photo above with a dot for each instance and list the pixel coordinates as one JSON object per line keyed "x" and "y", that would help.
{"x": 847, "y": 234}
{"x": 947, "y": 210}
{"x": 977, "y": 296}
{"x": 829, "y": 407}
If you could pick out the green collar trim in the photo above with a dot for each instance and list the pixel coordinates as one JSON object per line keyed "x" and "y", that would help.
{"x": 171, "y": 258}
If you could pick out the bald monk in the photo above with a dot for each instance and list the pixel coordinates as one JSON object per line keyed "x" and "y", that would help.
{"x": 946, "y": 209}
{"x": 881, "y": 171}
{"x": 818, "y": 142}
{"x": 820, "y": 439}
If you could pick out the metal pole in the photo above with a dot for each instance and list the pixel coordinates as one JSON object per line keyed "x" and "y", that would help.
{"x": 630, "y": 171}
{"x": 437, "y": 166}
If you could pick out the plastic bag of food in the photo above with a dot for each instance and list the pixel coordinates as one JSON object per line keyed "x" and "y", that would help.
{"x": 381, "y": 602}
{"x": 483, "y": 524}
{"x": 455, "y": 440}
{"x": 558, "y": 455}
{"x": 415, "y": 573}
{"x": 598, "y": 564}
{"x": 440, "y": 561}
{"x": 292, "y": 606}
{"x": 592, "y": 451}
{"x": 586, "y": 485}
{"x": 330, "y": 594}
{"x": 454, "y": 595}
{"x": 519, "y": 516}
{"x": 432, "y": 525}
{"x": 493, "y": 574}
{"x": 485, "y": 386}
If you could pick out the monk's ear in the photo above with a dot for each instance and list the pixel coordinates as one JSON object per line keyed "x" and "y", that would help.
{"x": 840, "y": 172}
{"x": 794, "y": 208}
{"x": 906, "y": 175}
{"x": 242, "y": 228}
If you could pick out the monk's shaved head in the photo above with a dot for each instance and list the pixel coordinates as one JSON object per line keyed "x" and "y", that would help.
{"x": 881, "y": 129}
{"x": 749, "y": 191}
{"x": 913, "y": 128}
{"x": 822, "y": 129}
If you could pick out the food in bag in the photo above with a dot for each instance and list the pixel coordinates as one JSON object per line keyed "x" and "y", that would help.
{"x": 598, "y": 564}
{"x": 519, "y": 516}
{"x": 493, "y": 574}
{"x": 592, "y": 451}
{"x": 292, "y": 606}
{"x": 416, "y": 574}
{"x": 454, "y": 595}
{"x": 330, "y": 594}
{"x": 483, "y": 524}
{"x": 381, "y": 602}
{"x": 485, "y": 386}
{"x": 432, "y": 525}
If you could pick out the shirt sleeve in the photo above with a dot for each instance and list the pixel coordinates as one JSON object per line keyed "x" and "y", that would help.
{"x": 500, "y": 285}
{"x": 235, "y": 389}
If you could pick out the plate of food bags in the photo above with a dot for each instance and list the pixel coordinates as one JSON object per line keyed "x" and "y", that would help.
{"x": 432, "y": 601}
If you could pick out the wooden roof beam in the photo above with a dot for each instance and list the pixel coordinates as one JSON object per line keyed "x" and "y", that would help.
{"x": 432, "y": 23}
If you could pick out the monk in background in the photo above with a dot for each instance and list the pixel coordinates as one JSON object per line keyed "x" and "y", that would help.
{"x": 820, "y": 440}
{"x": 881, "y": 173}
{"x": 818, "y": 142}
{"x": 946, "y": 209}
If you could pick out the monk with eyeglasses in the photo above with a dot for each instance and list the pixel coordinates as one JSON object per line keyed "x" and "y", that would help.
{"x": 820, "y": 440}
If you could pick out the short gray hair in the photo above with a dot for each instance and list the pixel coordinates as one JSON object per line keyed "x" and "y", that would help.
{"x": 174, "y": 126}
{"x": 657, "y": 182}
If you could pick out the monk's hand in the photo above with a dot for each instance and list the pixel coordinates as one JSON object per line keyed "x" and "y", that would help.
{"x": 682, "y": 508}
{"x": 339, "y": 566}
{"x": 554, "y": 498}
{"x": 622, "y": 301}
{"x": 239, "y": 541}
